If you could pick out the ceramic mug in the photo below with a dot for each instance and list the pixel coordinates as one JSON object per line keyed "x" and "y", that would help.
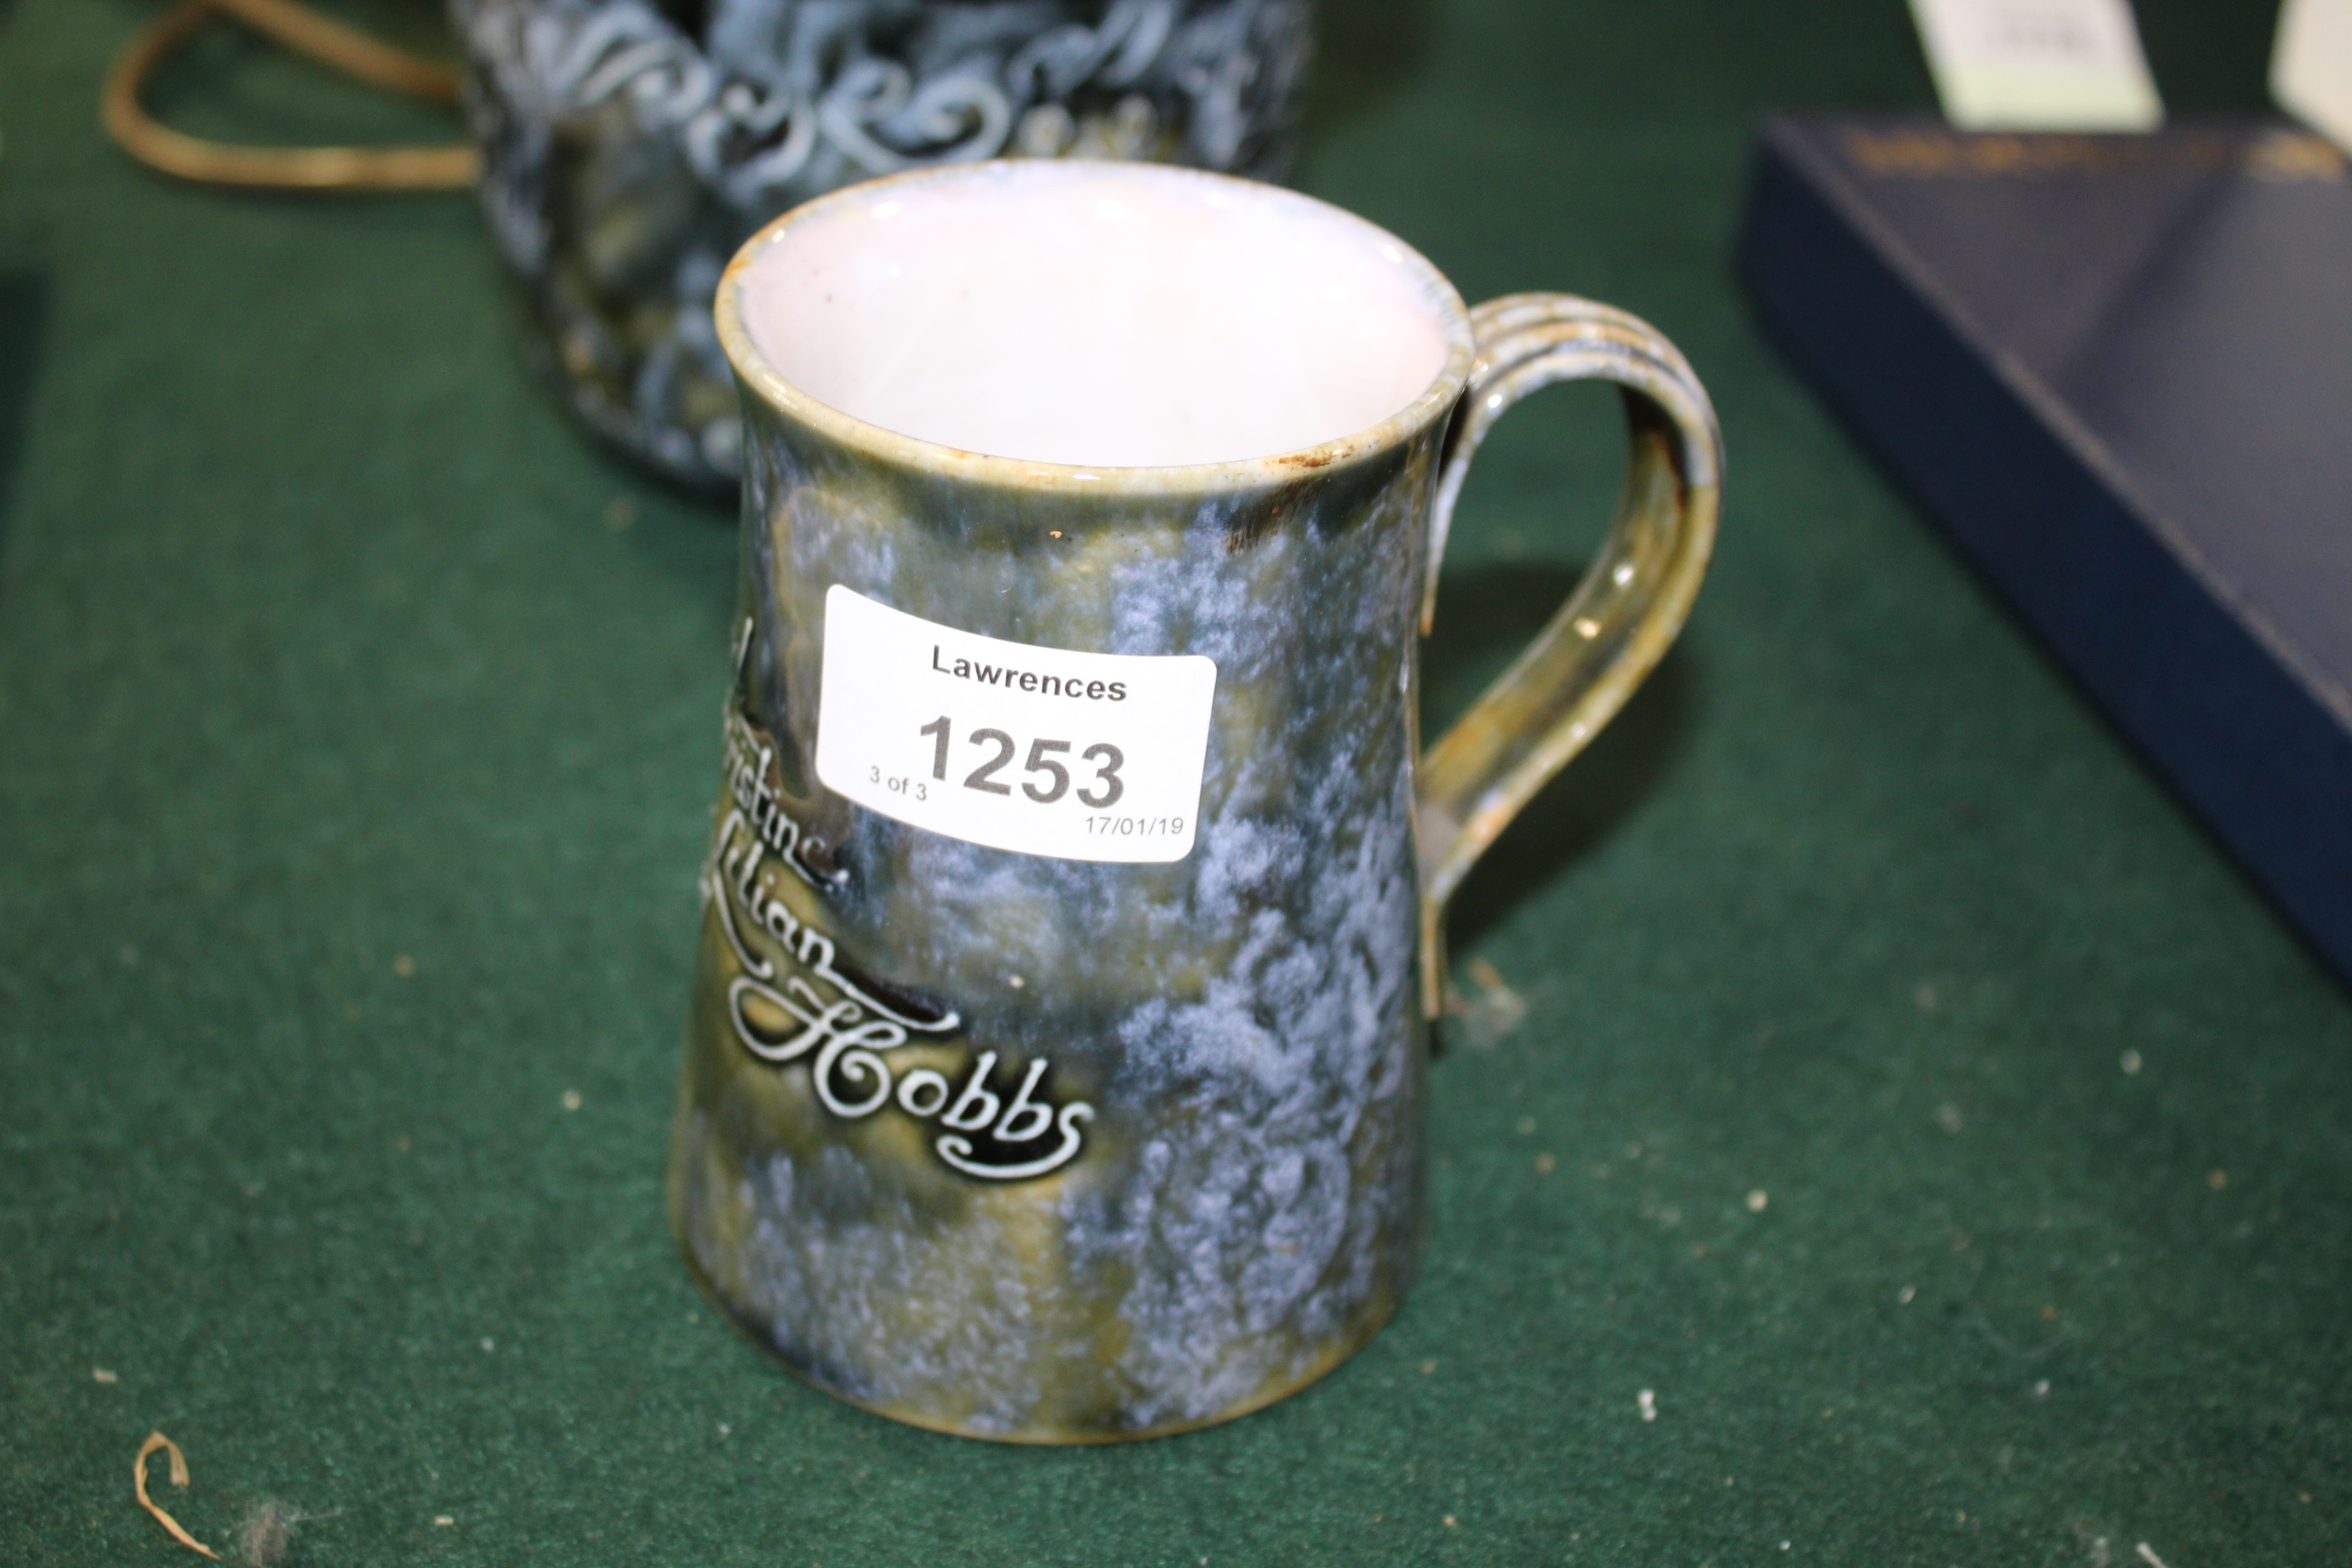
{"x": 1072, "y": 930}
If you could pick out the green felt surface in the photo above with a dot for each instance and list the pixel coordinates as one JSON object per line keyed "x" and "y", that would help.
{"x": 324, "y": 641}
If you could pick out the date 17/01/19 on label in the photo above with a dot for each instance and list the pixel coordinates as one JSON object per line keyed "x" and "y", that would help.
{"x": 1104, "y": 793}
{"x": 910, "y": 725}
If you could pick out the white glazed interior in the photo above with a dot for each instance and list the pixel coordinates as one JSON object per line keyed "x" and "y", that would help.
{"x": 1114, "y": 315}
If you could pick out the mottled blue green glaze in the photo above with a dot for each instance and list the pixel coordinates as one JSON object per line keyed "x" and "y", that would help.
{"x": 1211, "y": 1069}
{"x": 1246, "y": 1024}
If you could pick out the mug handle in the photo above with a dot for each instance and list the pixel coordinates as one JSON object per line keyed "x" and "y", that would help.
{"x": 1615, "y": 627}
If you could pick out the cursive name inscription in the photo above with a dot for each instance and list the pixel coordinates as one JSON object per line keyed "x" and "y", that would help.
{"x": 798, "y": 1004}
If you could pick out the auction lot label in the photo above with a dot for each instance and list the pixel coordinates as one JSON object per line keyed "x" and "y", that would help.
{"x": 1041, "y": 750}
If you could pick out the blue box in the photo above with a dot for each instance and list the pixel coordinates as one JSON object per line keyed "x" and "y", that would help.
{"x": 2117, "y": 372}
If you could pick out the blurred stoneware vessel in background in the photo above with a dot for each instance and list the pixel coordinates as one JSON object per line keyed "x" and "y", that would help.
{"x": 630, "y": 146}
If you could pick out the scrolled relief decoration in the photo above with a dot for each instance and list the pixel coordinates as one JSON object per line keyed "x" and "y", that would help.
{"x": 631, "y": 146}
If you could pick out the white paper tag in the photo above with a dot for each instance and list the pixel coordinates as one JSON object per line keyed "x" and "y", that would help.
{"x": 2038, "y": 65}
{"x": 1043, "y": 751}
{"x": 2311, "y": 71}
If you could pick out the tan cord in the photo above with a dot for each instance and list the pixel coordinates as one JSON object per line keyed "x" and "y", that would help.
{"x": 179, "y": 1479}
{"x": 345, "y": 50}
{"x": 284, "y": 168}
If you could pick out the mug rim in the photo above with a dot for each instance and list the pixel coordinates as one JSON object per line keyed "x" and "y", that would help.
{"x": 759, "y": 376}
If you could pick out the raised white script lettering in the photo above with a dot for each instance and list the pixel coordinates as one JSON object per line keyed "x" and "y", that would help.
{"x": 794, "y": 1003}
